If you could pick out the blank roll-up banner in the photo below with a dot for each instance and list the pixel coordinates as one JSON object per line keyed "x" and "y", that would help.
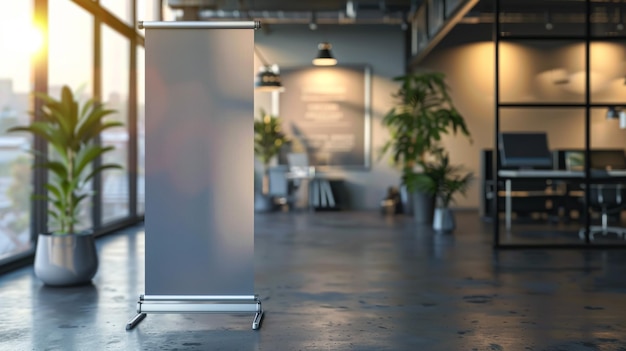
{"x": 199, "y": 166}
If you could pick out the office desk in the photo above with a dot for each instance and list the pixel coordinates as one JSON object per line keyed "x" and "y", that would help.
{"x": 548, "y": 174}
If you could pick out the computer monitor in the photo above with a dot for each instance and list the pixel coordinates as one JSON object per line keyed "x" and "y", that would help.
{"x": 526, "y": 150}
{"x": 607, "y": 159}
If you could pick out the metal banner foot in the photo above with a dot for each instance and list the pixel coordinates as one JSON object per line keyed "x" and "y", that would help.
{"x": 133, "y": 322}
{"x": 198, "y": 304}
{"x": 256, "y": 322}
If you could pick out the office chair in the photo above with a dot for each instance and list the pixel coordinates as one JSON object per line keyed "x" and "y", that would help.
{"x": 609, "y": 199}
{"x": 299, "y": 171}
{"x": 280, "y": 188}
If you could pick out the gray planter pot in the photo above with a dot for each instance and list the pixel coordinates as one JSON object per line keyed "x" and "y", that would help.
{"x": 423, "y": 206}
{"x": 443, "y": 220}
{"x": 65, "y": 260}
{"x": 407, "y": 200}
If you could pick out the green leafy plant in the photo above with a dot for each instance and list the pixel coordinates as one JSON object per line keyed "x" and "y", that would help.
{"x": 71, "y": 131}
{"x": 424, "y": 112}
{"x": 268, "y": 140}
{"x": 441, "y": 178}
{"x": 268, "y": 137}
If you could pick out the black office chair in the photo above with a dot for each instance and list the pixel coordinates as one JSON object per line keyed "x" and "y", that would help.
{"x": 609, "y": 199}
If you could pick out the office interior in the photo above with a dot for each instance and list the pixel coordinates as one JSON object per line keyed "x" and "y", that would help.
{"x": 537, "y": 69}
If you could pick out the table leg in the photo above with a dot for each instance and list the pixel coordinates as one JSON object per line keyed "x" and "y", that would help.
{"x": 507, "y": 204}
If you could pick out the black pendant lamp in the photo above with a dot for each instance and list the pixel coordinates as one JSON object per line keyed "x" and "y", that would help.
{"x": 324, "y": 56}
{"x": 268, "y": 77}
{"x": 615, "y": 112}
{"x": 611, "y": 113}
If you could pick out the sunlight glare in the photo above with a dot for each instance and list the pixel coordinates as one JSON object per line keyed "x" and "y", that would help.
{"x": 20, "y": 37}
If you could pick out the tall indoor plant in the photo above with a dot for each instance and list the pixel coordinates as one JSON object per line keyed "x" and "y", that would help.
{"x": 71, "y": 130}
{"x": 423, "y": 113}
{"x": 268, "y": 140}
{"x": 445, "y": 180}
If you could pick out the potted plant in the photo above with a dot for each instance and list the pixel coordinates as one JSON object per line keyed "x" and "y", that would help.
{"x": 268, "y": 140}
{"x": 445, "y": 181}
{"x": 65, "y": 256}
{"x": 423, "y": 113}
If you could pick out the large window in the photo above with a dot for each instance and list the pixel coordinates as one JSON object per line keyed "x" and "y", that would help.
{"x": 18, "y": 41}
{"x": 115, "y": 75}
{"x": 70, "y": 48}
{"x": 93, "y": 63}
{"x": 70, "y": 62}
{"x": 121, "y": 9}
{"x": 148, "y": 10}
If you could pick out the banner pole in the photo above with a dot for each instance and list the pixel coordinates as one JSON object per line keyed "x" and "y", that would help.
{"x": 200, "y": 25}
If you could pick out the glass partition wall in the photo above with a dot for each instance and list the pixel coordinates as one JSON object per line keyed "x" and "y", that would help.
{"x": 95, "y": 48}
{"x": 16, "y": 81}
{"x": 560, "y": 73}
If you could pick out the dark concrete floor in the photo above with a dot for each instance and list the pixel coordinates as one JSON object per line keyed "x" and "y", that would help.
{"x": 345, "y": 281}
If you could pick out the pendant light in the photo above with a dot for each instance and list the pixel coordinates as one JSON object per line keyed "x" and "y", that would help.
{"x": 611, "y": 112}
{"x": 268, "y": 77}
{"x": 324, "y": 56}
{"x": 618, "y": 113}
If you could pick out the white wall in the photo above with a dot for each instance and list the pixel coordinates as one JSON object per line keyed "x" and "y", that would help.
{"x": 466, "y": 56}
{"x": 380, "y": 47}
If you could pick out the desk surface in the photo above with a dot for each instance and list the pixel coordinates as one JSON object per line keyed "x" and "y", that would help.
{"x": 312, "y": 176}
{"x": 557, "y": 173}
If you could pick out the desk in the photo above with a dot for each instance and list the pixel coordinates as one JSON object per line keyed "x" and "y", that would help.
{"x": 559, "y": 174}
{"x": 548, "y": 174}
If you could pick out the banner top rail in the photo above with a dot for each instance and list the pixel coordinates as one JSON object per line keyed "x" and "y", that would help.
{"x": 201, "y": 24}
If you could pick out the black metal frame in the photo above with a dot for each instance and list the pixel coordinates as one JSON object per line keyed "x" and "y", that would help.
{"x": 587, "y": 105}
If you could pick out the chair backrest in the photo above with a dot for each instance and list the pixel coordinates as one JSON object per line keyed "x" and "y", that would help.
{"x": 609, "y": 195}
{"x": 298, "y": 163}
{"x": 278, "y": 183}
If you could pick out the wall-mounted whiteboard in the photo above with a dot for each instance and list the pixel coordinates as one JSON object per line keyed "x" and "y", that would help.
{"x": 327, "y": 112}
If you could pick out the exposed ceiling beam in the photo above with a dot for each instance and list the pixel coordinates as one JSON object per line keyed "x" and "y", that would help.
{"x": 456, "y": 17}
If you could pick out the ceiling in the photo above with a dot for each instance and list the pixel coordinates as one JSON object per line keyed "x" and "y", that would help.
{"x": 295, "y": 5}
{"x": 300, "y": 11}
{"x": 315, "y": 12}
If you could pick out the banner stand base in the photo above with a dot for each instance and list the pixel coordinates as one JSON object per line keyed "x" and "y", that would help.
{"x": 198, "y": 304}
